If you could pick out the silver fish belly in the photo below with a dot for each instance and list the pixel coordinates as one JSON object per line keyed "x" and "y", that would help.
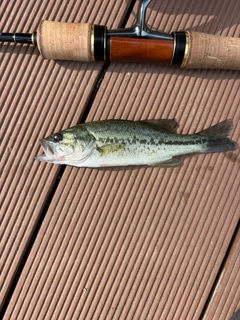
{"x": 122, "y": 143}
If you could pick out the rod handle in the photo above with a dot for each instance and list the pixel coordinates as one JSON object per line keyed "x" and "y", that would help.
{"x": 65, "y": 41}
{"x": 88, "y": 42}
{"x": 206, "y": 51}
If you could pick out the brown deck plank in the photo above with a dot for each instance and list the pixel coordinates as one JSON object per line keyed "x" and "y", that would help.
{"x": 38, "y": 97}
{"x": 227, "y": 290}
{"x": 137, "y": 242}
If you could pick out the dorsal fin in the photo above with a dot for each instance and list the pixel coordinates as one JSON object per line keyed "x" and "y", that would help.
{"x": 167, "y": 124}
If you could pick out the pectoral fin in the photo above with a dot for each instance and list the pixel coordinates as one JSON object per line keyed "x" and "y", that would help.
{"x": 167, "y": 124}
{"x": 168, "y": 163}
{"x": 110, "y": 148}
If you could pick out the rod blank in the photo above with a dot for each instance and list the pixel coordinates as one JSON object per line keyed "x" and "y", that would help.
{"x": 18, "y": 37}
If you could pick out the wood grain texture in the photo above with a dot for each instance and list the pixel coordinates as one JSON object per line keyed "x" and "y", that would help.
{"x": 206, "y": 51}
{"x": 65, "y": 41}
{"x": 141, "y": 50}
{"x": 38, "y": 96}
{"x": 227, "y": 291}
{"x": 140, "y": 243}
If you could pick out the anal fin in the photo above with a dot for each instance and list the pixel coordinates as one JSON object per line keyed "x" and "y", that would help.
{"x": 167, "y": 163}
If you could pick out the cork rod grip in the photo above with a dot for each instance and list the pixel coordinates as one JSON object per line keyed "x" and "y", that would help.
{"x": 65, "y": 41}
{"x": 206, "y": 51}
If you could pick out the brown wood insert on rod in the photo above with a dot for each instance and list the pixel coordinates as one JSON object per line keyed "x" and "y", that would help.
{"x": 141, "y": 50}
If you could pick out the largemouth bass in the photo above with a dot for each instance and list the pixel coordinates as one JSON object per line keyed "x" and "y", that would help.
{"x": 121, "y": 143}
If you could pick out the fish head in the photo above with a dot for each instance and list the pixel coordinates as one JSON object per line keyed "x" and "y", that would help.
{"x": 69, "y": 146}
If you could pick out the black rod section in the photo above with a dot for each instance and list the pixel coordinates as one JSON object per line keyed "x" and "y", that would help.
{"x": 180, "y": 44}
{"x": 99, "y": 43}
{"x": 18, "y": 37}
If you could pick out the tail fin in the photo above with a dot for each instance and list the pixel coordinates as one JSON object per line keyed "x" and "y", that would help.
{"x": 218, "y": 137}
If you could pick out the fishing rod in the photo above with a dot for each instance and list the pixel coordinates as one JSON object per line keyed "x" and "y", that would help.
{"x": 88, "y": 42}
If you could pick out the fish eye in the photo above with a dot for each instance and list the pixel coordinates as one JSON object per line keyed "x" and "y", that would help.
{"x": 57, "y": 137}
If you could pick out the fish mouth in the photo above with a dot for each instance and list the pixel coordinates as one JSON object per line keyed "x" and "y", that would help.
{"x": 49, "y": 154}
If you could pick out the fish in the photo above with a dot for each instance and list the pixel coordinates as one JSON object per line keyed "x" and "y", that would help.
{"x": 151, "y": 142}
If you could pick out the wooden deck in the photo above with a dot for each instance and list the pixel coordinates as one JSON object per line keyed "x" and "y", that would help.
{"x": 121, "y": 243}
